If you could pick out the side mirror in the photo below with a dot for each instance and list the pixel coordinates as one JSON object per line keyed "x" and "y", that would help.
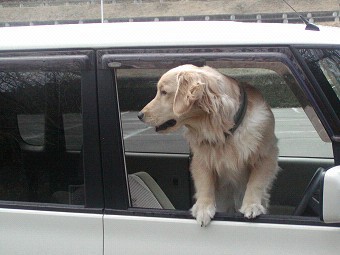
{"x": 330, "y": 195}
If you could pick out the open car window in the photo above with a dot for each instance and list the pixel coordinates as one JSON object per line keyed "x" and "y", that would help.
{"x": 298, "y": 128}
{"x": 304, "y": 144}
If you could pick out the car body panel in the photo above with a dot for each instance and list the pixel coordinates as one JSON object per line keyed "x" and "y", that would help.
{"x": 148, "y": 235}
{"x": 45, "y": 232}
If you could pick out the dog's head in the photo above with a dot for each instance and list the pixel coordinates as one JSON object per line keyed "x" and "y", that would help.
{"x": 183, "y": 94}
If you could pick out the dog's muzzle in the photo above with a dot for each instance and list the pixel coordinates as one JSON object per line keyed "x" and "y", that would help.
{"x": 165, "y": 125}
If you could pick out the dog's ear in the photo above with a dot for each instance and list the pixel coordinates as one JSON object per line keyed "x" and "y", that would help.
{"x": 189, "y": 90}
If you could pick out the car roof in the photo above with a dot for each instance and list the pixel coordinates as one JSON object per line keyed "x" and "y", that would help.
{"x": 158, "y": 34}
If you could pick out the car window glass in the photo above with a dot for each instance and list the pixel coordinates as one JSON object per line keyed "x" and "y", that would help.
{"x": 324, "y": 64}
{"x": 331, "y": 68}
{"x": 41, "y": 136}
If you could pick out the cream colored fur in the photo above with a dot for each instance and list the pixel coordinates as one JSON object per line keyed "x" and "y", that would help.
{"x": 231, "y": 173}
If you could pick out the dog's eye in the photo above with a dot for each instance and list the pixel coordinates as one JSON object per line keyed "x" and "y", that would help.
{"x": 163, "y": 92}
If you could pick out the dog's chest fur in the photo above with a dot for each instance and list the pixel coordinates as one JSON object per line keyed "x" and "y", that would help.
{"x": 231, "y": 157}
{"x": 227, "y": 164}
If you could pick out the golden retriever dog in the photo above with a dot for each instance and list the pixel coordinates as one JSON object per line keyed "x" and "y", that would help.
{"x": 230, "y": 129}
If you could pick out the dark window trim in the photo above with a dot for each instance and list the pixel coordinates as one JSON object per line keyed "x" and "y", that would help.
{"x": 238, "y": 217}
{"x": 319, "y": 94}
{"x": 112, "y": 150}
{"x": 47, "y": 60}
{"x": 32, "y": 206}
{"x": 336, "y": 152}
{"x": 68, "y": 60}
{"x": 93, "y": 177}
{"x": 124, "y": 60}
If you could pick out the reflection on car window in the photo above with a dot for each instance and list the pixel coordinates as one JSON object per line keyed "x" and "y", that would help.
{"x": 325, "y": 66}
{"x": 331, "y": 69}
{"x": 40, "y": 124}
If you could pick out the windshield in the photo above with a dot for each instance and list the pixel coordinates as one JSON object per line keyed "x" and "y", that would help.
{"x": 49, "y": 12}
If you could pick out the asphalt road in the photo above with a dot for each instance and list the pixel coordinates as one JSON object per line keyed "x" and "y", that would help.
{"x": 297, "y": 137}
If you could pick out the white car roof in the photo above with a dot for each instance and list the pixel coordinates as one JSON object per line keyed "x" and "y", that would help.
{"x": 142, "y": 34}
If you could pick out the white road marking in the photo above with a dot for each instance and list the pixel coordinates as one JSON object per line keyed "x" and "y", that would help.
{"x": 297, "y": 110}
{"x": 136, "y": 132}
{"x": 293, "y": 132}
{"x": 286, "y": 120}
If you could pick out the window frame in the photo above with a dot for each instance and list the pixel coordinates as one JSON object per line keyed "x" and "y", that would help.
{"x": 67, "y": 60}
{"x": 115, "y": 172}
{"x": 325, "y": 89}
{"x": 319, "y": 94}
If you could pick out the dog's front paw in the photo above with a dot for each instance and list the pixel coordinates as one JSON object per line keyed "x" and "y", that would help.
{"x": 203, "y": 213}
{"x": 251, "y": 211}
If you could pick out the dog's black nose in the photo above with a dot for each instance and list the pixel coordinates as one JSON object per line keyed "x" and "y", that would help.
{"x": 140, "y": 115}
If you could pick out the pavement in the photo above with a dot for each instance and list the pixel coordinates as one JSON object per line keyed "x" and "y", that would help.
{"x": 297, "y": 136}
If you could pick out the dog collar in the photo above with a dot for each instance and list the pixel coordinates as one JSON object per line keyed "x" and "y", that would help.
{"x": 241, "y": 112}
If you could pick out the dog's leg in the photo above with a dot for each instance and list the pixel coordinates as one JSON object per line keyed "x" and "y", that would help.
{"x": 256, "y": 197}
{"x": 204, "y": 180}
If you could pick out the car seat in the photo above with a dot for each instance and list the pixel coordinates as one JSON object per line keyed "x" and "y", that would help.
{"x": 144, "y": 193}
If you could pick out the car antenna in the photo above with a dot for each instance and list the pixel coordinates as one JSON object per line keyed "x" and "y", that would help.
{"x": 309, "y": 26}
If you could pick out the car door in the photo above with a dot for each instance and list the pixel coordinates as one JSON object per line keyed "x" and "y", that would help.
{"x": 126, "y": 82}
{"x": 50, "y": 179}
